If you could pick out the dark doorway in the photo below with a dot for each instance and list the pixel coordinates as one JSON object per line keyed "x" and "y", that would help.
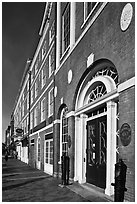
{"x": 97, "y": 151}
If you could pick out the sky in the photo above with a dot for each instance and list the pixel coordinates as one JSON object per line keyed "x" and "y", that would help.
{"x": 21, "y": 23}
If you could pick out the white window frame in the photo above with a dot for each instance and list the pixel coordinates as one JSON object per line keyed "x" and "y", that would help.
{"x": 27, "y": 101}
{"x": 23, "y": 109}
{"x": 51, "y": 63}
{"x": 86, "y": 17}
{"x": 38, "y": 152}
{"x": 36, "y": 66}
{"x": 27, "y": 123}
{"x": 44, "y": 49}
{"x": 43, "y": 109}
{"x": 32, "y": 76}
{"x": 25, "y": 128}
{"x": 36, "y": 88}
{"x": 51, "y": 35}
{"x": 28, "y": 85}
{"x": 61, "y": 116}
{"x": 63, "y": 46}
{"x": 32, "y": 95}
{"x": 31, "y": 120}
{"x": 43, "y": 77}
{"x": 50, "y": 103}
{"x": 36, "y": 116}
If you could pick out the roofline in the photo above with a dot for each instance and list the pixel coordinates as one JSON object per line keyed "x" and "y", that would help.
{"x": 44, "y": 19}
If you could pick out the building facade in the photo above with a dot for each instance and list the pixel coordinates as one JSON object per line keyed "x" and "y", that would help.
{"x": 78, "y": 94}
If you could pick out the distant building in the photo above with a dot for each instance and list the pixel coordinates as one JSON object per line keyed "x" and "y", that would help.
{"x": 78, "y": 93}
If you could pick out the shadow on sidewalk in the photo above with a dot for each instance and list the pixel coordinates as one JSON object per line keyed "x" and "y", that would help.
{"x": 21, "y": 184}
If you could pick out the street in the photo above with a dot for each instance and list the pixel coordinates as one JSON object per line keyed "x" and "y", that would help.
{"x": 21, "y": 183}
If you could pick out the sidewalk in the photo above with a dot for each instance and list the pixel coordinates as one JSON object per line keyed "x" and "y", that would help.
{"x": 22, "y": 183}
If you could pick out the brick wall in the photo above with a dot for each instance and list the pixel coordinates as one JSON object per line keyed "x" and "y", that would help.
{"x": 127, "y": 115}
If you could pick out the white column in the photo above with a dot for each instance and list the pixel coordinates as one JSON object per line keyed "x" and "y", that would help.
{"x": 111, "y": 146}
{"x": 72, "y": 23}
{"x": 58, "y": 39}
{"x": 80, "y": 148}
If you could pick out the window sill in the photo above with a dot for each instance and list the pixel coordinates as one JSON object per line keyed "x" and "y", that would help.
{"x": 87, "y": 18}
{"x": 64, "y": 53}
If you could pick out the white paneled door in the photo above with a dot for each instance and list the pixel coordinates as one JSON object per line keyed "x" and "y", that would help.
{"x": 48, "y": 156}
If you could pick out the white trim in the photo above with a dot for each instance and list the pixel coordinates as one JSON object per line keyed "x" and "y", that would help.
{"x": 44, "y": 18}
{"x": 43, "y": 109}
{"x": 52, "y": 27}
{"x": 49, "y": 113}
{"x": 56, "y": 121}
{"x": 48, "y": 168}
{"x": 100, "y": 101}
{"x": 88, "y": 16}
{"x": 71, "y": 113}
{"x": 58, "y": 34}
{"x": 38, "y": 162}
{"x": 97, "y": 116}
{"x": 59, "y": 162}
{"x": 47, "y": 133}
{"x": 81, "y": 99}
{"x": 72, "y": 23}
{"x": 41, "y": 130}
{"x": 126, "y": 85}
{"x": 81, "y": 36}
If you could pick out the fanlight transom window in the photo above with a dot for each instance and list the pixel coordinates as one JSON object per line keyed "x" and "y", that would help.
{"x": 108, "y": 71}
{"x": 97, "y": 92}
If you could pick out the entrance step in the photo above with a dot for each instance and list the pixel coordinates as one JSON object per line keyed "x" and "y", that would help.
{"x": 90, "y": 192}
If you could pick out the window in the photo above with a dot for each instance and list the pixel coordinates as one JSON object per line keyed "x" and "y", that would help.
{"x": 49, "y": 151}
{"x": 22, "y": 109}
{"x": 28, "y": 85}
{"x": 23, "y": 97}
{"x": 32, "y": 142}
{"x": 43, "y": 109}
{"x": 36, "y": 88}
{"x": 36, "y": 66}
{"x": 51, "y": 62}
{"x": 38, "y": 149}
{"x": 39, "y": 57}
{"x": 66, "y": 28}
{"x": 52, "y": 32}
{"x": 63, "y": 133}
{"x": 27, "y": 101}
{"x": 32, "y": 76}
{"x": 36, "y": 116}
{"x": 51, "y": 100}
{"x": 31, "y": 120}
{"x": 25, "y": 126}
{"x": 43, "y": 77}
{"x": 88, "y": 8}
{"x": 32, "y": 95}
{"x": 44, "y": 49}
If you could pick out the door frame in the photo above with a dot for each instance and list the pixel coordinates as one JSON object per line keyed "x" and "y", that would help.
{"x": 48, "y": 168}
{"x": 81, "y": 141}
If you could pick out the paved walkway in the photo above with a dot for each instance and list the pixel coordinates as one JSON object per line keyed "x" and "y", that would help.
{"x": 21, "y": 183}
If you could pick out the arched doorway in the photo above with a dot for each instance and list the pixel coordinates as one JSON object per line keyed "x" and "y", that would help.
{"x": 95, "y": 128}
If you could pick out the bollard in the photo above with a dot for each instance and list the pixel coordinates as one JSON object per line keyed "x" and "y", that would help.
{"x": 65, "y": 169}
{"x": 120, "y": 180}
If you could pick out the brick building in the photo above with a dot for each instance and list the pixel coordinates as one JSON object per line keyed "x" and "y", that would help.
{"x": 78, "y": 94}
